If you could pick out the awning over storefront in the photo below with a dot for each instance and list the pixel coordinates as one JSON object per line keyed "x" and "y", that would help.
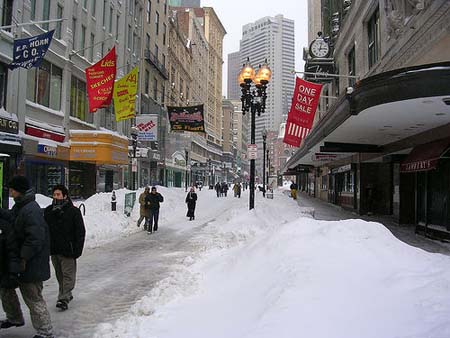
{"x": 99, "y": 147}
{"x": 425, "y": 156}
{"x": 298, "y": 170}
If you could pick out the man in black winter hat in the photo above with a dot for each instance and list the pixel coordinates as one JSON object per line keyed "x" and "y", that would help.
{"x": 32, "y": 267}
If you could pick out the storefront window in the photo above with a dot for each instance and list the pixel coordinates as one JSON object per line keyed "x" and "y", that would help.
{"x": 78, "y": 101}
{"x": 44, "y": 85}
{"x": 44, "y": 176}
{"x": 324, "y": 182}
{"x": 349, "y": 181}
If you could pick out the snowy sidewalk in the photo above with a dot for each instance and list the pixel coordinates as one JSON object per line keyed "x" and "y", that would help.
{"x": 329, "y": 212}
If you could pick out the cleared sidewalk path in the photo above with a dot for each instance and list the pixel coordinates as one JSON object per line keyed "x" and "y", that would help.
{"x": 329, "y": 212}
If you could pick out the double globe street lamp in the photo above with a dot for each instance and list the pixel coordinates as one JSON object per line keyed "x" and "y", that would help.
{"x": 254, "y": 101}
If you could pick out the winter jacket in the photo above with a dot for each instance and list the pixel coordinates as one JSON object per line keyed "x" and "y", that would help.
{"x": 67, "y": 231}
{"x": 191, "y": 199}
{"x": 152, "y": 201}
{"x": 32, "y": 236}
{"x": 294, "y": 186}
{"x": 9, "y": 254}
{"x": 142, "y": 210}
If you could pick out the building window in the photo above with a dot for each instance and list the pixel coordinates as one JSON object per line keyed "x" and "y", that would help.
{"x": 74, "y": 32}
{"x": 91, "y": 48}
{"x": 3, "y": 84}
{"x": 46, "y": 14}
{"x": 147, "y": 42}
{"x": 117, "y": 26}
{"x": 44, "y": 85}
{"x": 155, "y": 89}
{"x": 104, "y": 14}
{"x": 156, "y": 52}
{"x": 373, "y": 31}
{"x": 78, "y": 101}
{"x": 164, "y": 60}
{"x": 146, "y": 81}
{"x": 157, "y": 23}
{"x": 82, "y": 40}
{"x": 85, "y": 4}
{"x": 130, "y": 36}
{"x": 148, "y": 10}
{"x": 107, "y": 118}
{"x": 163, "y": 93}
{"x": 135, "y": 43}
{"x": 59, "y": 15}
{"x": 351, "y": 66}
{"x": 32, "y": 10}
{"x": 111, "y": 16}
{"x": 164, "y": 33}
{"x": 93, "y": 8}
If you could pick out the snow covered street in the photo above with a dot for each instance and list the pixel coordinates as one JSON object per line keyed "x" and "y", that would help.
{"x": 234, "y": 273}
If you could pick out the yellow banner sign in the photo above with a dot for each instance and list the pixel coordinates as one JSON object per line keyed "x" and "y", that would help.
{"x": 125, "y": 91}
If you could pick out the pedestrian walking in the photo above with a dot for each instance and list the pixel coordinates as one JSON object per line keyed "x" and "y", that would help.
{"x": 293, "y": 188}
{"x": 144, "y": 212}
{"x": 113, "y": 201}
{"x": 152, "y": 204}
{"x": 224, "y": 189}
{"x": 218, "y": 188}
{"x": 67, "y": 234}
{"x": 237, "y": 189}
{"x": 32, "y": 267}
{"x": 191, "y": 200}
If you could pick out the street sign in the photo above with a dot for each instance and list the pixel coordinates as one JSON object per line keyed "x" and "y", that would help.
{"x": 134, "y": 165}
{"x": 252, "y": 150}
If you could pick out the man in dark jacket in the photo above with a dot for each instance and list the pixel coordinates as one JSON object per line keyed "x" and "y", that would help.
{"x": 67, "y": 234}
{"x": 152, "y": 201}
{"x": 32, "y": 238}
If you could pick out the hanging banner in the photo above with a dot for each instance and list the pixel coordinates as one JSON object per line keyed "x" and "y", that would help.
{"x": 30, "y": 52}
{"x": 304, "y": 103}
{"x": 100, "y": 81}
{"x": 125, "y": 91}
{"x": 147, "y": 126}
{"x": 294, "y": 133}
{"x": 187, "y": 118}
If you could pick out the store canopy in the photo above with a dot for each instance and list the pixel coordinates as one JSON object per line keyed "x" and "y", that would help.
{"x": 298, "y": 170}
{"x": 425, "y": 156}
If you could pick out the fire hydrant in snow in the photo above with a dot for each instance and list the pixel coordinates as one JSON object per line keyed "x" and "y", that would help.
{"x": 113, "y": 201}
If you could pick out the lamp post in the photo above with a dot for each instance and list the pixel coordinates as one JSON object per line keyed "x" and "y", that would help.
{"x": 264, "y": 137}
{"x": 209, "y": 173}
{"x": 253, "y": 101}
{"x": 186, "y": 158}
{"x": 134, "y": 135}
{"x": 268, "y": 166}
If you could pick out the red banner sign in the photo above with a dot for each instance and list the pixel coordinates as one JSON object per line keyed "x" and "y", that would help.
{"x": 301, "y": 116}
{"x": 100, "y": 81}
{"x": 294, "y": 133}
{"x": 304, "y": 103}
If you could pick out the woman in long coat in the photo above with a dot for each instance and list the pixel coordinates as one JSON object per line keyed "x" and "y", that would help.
{"x": 191, "y": 200}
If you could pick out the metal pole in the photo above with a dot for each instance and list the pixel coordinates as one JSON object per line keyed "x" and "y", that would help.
{"x": 268, "y": 166}
{"x": 264, "y": 166}
{"x": 186, "y": 171}
{"x": 134, "y": 160}
{"x": 252, "y": 162}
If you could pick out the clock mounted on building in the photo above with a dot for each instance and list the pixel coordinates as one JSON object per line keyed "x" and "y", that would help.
{"x": 319, "y": 48}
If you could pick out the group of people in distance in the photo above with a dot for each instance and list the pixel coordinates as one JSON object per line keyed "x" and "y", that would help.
{"x": 28, "y": 236}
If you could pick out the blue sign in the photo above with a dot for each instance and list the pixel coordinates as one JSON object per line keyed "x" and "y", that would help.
{"x": 30, "y": 52}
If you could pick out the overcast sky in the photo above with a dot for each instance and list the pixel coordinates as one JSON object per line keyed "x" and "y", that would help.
{"x": 235, "y": 13}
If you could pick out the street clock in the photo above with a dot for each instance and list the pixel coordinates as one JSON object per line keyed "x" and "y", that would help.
{"x": 319, "y": 48}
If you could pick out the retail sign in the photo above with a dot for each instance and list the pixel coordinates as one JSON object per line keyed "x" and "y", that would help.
{"x": 134, "y": 165}
{"x": 125, "y": 91}
{"x": 100, "y": 81}
{"x": 147, "y": 126}
{"x": 43, "y": 133}
{"x": 187, "y": 118}
{"x": 342, "y": 169}
{"x": 252, "y": 151}
{"x": 9, "y": 126}
{"x": 423, "y": 165}
{"x": 321, "y": 68}
{"x": 47, "y": 150}
{"x": 29, "y": 52}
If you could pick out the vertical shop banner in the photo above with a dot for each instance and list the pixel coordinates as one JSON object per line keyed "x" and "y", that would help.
{"x": 187, "y": 118}
{"x": 304, "y": 103}
{"x": 125, "y": 91}
{"x": 100, "y": 81}
{"x": 147, "y": 126}
{"x": 30, "y": 52}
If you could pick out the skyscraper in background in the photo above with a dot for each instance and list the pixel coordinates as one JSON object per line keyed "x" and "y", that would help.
{"x": 184, "y": 3}
{"x": 271, "y": 38}
{"x": 234, "y": 67}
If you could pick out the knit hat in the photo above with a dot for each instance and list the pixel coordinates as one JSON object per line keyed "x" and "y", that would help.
{"x": 19, "y": 184}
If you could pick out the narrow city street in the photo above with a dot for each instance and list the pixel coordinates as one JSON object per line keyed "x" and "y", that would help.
{"x": 114, "y": 277}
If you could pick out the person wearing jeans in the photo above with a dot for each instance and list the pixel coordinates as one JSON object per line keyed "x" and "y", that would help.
{"x": 152, "y": 203}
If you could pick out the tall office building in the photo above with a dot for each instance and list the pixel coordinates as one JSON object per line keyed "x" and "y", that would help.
{"x": 271, "y": 38}
{"x": 234, "y": 67}
{"x": 184, "y": 3}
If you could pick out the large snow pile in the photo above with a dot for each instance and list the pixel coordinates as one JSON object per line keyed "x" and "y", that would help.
{"x": 269, "y": 273}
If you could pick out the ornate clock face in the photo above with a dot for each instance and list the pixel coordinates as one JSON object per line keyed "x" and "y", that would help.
{"x": 319, "y": 48}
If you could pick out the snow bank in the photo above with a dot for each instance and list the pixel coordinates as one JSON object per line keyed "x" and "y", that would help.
{"x": 271, "y": 273}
